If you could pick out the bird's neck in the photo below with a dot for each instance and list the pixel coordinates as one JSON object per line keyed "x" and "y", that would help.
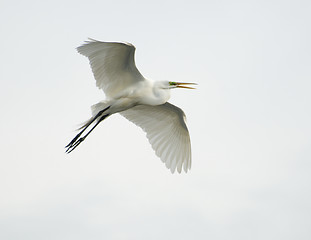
{"x": 162, "y": 95}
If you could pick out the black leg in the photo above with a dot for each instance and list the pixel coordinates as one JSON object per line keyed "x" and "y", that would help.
{"x": 74, "y": 140}
{"x": 81, "y": 139}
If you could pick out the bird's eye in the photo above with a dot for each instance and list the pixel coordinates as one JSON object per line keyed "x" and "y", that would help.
{"x": 172, "y": 83}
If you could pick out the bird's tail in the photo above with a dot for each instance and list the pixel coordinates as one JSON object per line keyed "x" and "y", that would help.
{"x": 96, "y": 108}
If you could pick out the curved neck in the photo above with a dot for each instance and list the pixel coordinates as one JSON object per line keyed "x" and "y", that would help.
{"x": 161, "y": 92}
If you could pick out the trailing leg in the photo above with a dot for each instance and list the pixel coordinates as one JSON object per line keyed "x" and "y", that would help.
{"x": 76, "y": 140}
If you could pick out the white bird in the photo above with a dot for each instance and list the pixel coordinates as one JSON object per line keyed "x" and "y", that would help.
{"x": 141, "y": 101}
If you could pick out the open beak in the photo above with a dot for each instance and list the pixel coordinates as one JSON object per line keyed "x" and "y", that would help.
{"x": 181, "y": 85}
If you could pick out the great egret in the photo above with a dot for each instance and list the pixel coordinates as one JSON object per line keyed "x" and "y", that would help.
{"x": 141, "y": 101}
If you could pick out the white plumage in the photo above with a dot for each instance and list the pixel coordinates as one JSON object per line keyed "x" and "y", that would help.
{"x": 141, "y": 101}
{"x": 113, "y": 65}
{"x": 166, "y": 131}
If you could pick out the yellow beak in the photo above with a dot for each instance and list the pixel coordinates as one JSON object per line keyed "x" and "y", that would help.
{"x": 180, "y": 85}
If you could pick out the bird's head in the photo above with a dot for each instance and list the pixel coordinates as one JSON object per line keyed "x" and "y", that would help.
{"x": 162, "y": 89}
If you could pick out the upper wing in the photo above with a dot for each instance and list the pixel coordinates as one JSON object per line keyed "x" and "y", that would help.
{"x": 166, "y": 131}
{"x": 113, "y": 65}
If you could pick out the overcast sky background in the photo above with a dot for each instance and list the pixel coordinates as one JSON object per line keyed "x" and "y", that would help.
{"x": 249, "y": 122}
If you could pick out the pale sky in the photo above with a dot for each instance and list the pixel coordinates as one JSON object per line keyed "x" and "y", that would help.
{"x": 249, "y": 122}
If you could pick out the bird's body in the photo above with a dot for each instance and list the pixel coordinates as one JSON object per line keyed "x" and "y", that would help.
{"x": 142, "y": 101}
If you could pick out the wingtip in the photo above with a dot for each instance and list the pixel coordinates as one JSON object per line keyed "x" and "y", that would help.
{"x": 89, "y": 40}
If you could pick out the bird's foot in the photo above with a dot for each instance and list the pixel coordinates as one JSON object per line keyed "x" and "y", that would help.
{"x": 74, "y": 143}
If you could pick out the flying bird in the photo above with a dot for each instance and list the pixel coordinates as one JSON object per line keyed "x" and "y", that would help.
{"x": 140, "y": 100}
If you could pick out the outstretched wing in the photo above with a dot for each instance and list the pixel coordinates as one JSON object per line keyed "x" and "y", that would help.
{"x": 113, "y": 65}
{"x": 166, "y": 131}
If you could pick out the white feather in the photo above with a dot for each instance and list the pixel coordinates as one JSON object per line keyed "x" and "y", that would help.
{"x": 166, "y": 131}
{"x": 113, "y": 65}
